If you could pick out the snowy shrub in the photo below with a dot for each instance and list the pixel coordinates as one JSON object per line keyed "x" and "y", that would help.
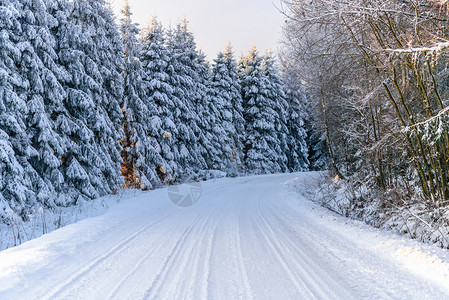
{"x": 393, "y": 211}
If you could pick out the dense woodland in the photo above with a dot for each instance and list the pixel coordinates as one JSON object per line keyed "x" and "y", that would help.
{"x": 376, "y": 76}
{"x": 90, "y": 104}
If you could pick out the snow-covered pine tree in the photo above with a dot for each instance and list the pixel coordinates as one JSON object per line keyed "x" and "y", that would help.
{"x": 184, "y": 80}
{"x": 261, "y": 152}
{"x": 90, "y": 50}
{"x": 274, "y": 86}
{"x": 142, "y": 162}
{"x": 156, "y": 64}
{"x": 16, "y": 191}
{"x": 226, "y": 85}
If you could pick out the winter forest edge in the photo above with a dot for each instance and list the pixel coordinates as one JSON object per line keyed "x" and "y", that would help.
{"x": 90, "y": 104}
{"x": 376, "y": 78}
{"x": 88, "y": 107}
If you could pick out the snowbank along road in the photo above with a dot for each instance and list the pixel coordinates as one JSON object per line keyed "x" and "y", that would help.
{"x": 246, "y": 238}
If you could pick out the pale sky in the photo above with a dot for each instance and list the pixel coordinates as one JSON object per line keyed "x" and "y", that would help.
{"x": 216, "y": 22}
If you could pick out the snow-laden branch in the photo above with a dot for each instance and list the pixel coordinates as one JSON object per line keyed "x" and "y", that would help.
{"x": 445, "y": 110}
{"x": 437, "y": 48}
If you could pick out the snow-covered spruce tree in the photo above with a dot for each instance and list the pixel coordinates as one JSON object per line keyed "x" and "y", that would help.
{"x": 279, "y": 104}
{"x": 209, "y": 104}
{"x": 261, "y": 146}
{"x": 184, "y": 80}
{"x": 44, "y": 97}
{"x": 298, "y": 154}
{"x": 142, "y": 162}
{"x": 303, "y": 104}
{"x": 90, "y": 50}
{"x": 226, "y": 85}
{"x": 15, "y": 185}
{"x": 316, "y": 144}
{"x": 16, "y": 191}
{"x": 156, "y": 64}
{"x": 206, "y": 104}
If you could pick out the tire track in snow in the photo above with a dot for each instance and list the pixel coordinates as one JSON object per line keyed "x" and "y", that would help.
{"x": 208, "y": 260}
{"x": 91, "y": 266}
{"x": 216, "y": 209}
{"x": 169, "y": 263}
{"x": 116, "y": 290}
{"x": 207, "y": 237}
{"x": 240, "y": 262}
{"x": 194, "y": 258}
{"x": 205, "y": 292}
{"x": 210, "y": 235}
{"x": 324, "y": 240}
{"x": 353, "y": 265}
{"x": 164, "y": 243}
{"x": 321, "y": 281}
{"x": 297, "y": 281}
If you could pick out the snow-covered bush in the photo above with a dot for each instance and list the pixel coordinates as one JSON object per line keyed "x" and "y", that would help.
{"x": 394, "y": 210}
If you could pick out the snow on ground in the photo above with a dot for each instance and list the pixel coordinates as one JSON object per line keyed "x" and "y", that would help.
{"x": 245, "y": 238}
{"x": 43, "y": 221}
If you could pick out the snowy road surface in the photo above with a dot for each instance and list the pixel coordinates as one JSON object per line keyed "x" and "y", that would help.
{"x": 247, "y": 238}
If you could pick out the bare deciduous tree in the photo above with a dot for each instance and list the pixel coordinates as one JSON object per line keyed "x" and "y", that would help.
{"x": 378, "y": 75}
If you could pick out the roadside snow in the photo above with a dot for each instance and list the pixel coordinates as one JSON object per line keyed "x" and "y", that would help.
{"x": 43, "y": 221}
{"x": 246, "y": 238}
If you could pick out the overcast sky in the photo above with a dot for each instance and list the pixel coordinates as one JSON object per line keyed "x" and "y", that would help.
{"x": 216, "y": 22}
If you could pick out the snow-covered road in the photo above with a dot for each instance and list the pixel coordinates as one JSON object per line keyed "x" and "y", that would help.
{"x": 246, "y": 238}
